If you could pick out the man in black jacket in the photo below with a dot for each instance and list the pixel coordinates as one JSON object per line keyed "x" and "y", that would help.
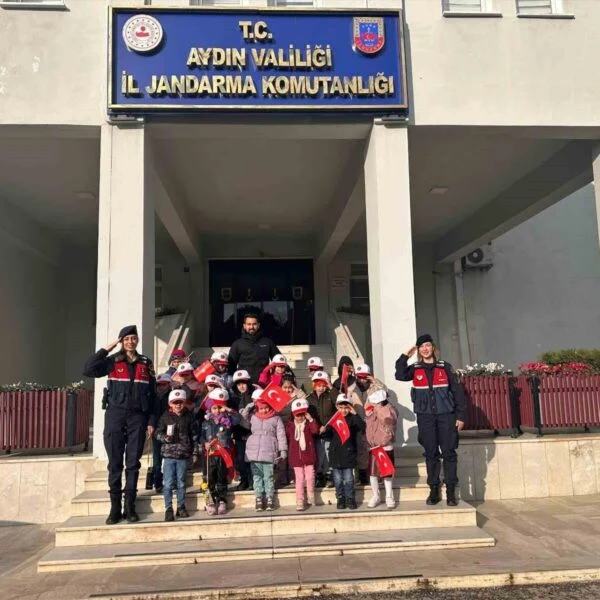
{"x": 130, "y": 415}
{"x": 252, "y": 351}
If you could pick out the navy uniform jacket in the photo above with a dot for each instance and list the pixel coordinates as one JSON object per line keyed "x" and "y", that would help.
{"x": 131, "y": 385}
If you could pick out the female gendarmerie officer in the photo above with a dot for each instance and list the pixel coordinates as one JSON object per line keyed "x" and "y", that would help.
{"x": 440, "y": 405}
{"x": 129, "y": 414}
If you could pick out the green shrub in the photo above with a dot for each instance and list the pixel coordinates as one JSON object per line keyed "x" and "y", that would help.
{"x": 588, "y": 357}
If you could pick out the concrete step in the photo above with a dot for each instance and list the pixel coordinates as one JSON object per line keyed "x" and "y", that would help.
{"x": 261, "y": 548}
{"x": 406, "y": 475}
{"x": 244, "y": 522}
{"x": 97, "y": 502}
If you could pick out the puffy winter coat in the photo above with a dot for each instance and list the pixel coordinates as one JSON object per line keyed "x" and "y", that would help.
{"x": 296, "y": 456}
{"x": 267, "y": 439}
{"x": 252, "y": 353}
{"x": 322, "y": 407}
{"x": 182, "y": 444}
{"x": 381, "y": 426}
{"x": 220, "y": 429}
{"x": 343, "y": 456}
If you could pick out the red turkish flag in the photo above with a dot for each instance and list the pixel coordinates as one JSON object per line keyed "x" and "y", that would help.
{"x": 275, "y": 397}
{"x": 344, "y": 381}
{"x": 384, "y": 464}
{"x": 216, "y": 449}
{"x": 338, "y": 422}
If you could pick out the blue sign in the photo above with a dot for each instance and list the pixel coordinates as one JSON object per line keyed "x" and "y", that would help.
{"x": 167, "y": 60}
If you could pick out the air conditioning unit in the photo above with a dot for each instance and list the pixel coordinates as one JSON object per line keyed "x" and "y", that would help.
{"x": 481, "y": 258}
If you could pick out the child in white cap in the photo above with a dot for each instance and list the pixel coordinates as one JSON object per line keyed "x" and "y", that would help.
{"x": 302, "y": 454}
{"x": 220, "y": 361}
{"x": 177, "y": 432}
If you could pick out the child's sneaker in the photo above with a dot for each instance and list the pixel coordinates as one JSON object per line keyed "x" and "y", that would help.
{"x": 222, "y": 509}
{"x": 341, "y": 503}
{"x": 390, "y": 502}
{"x": 182, "y": 513}
{"x": 258, "y": 507}
{"x": 169, "y": 516}
{"x": 351, "y": 504}
{"x": 270, "y": 504}
{"x": 300, "y": 506}
{"x": 211, "y": 509}
{"x": 374, "y": 501}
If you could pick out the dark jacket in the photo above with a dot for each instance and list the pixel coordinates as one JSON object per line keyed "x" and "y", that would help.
{"x": 296, "y": 456}
{"x": 131, "y": 385}
{"x": 183, "y": 443}
{"x": 322, "y": 408}
{"x": 343, "y": 456}
{"x": 221, "y": 430}
{"x": 252, "y": 353}
{"x": 434, "y": 400}
{"x": 238, "y": 402}
{"x": 337, "y": 384}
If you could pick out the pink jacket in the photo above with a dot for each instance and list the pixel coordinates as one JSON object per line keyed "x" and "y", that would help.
{"x": 381, "y": 426}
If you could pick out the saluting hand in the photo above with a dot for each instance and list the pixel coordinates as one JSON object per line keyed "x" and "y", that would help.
{"x": 112, "y": 346}
{"x": 411, "y": 351}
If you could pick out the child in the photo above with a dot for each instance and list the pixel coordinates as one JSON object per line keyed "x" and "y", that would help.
{"x": 314, "y": 363}
{"x": 177, "y": 432}
{"x": 220, "y": 361}
{"x": 301, "y": 434}
{"x": 342, "y": 457}
{"x": 322, "y": 407}
{"x": 381, "y": 419}
{"x": 266, "y": 445}
{"x": 241, "y": 396}
{"x": 177, "y": 357}
{"x": 163, "y": 388}
{"x": 184, "y": 379}
{"x": 274, "y": 371}
{"x": 218, "y": 425}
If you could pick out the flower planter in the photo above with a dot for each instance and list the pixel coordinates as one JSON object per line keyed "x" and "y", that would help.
{"x": 490, "y": 402}
{"x": 569, "y": 400}
{"x": 45, "y": 419}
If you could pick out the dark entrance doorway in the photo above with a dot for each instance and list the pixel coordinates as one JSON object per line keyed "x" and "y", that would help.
{"x": 281, "y": 291}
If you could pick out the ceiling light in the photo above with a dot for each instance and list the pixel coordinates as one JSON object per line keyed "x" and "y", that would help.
{"x": 438, "y": 190}
{"x": 85, "y": 196}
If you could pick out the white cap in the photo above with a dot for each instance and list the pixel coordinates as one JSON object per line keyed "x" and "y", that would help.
{"x": 177, "y": 395}
{"x": 185, "y": 368}
{"x": 213, "y": 379}
{"x": 218, "y": 394}
{"x": 377, "y": 397}
{"x": 164, "y": 378}
{"x": 241, "y": 375}
{"x": 342, "y": 399}
{"x": 219, "y": 357}
{"x": 257, "y": 394}
{"x": 320, "y": 376}
{"x": 363, "y": 370}
{"x": 315, "y": 362}
{"x": 279, "y": 359}
{"x": 299, "y": 405}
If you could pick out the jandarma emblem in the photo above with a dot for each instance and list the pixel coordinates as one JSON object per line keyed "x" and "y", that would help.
{"x": 142, "y": 33}
{"x": 369, "y": 34}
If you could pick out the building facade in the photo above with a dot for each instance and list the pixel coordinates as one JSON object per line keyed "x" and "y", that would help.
{"x": 300, "y": 213}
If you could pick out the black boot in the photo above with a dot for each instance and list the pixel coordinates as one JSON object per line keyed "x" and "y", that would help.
{"x": 158, "y": 482}
{"x": 434, "y": 495}
{"x": 115, "y": 510}
{"x": 243, "y": 485}
{"x": 320, "y": 480}
{"x": 129, "y": 510}
{"x": 451, "y": 495}
{"x": 363, "y": 477}
{"x": 351, "y": 503}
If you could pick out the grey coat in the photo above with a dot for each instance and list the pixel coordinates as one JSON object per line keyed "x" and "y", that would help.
{"x": 267, "y": 439}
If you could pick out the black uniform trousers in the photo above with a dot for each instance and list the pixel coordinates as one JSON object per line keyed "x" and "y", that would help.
{"x": 124, "y": 434}
{"x": 439, "y": 437}
{"x": 217, "y": 479}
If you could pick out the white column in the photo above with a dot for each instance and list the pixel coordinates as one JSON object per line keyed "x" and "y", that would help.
{"x": 125, "y": 288}
{"x": 389, "y": 249}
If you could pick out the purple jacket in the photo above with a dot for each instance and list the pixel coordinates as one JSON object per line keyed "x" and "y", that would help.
{"x": 267, "y": 439}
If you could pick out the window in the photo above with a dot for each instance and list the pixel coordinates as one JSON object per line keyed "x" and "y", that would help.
{"x": 467, "y": 6}
{"x": 359, "y": 287}
{"x": 539, "y": 7}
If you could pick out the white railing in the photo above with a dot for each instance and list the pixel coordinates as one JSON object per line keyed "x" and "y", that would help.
{"x": 342, "y": 340}
{"x": 170, "y": 332}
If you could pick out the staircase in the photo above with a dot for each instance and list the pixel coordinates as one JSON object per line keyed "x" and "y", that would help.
{"x": 296, "y": 356}
{"x": 85, "y": 542}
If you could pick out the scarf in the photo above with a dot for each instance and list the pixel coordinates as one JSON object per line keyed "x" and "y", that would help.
{"x": 220, "y": 419}
{"x": 299, "y": 435}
